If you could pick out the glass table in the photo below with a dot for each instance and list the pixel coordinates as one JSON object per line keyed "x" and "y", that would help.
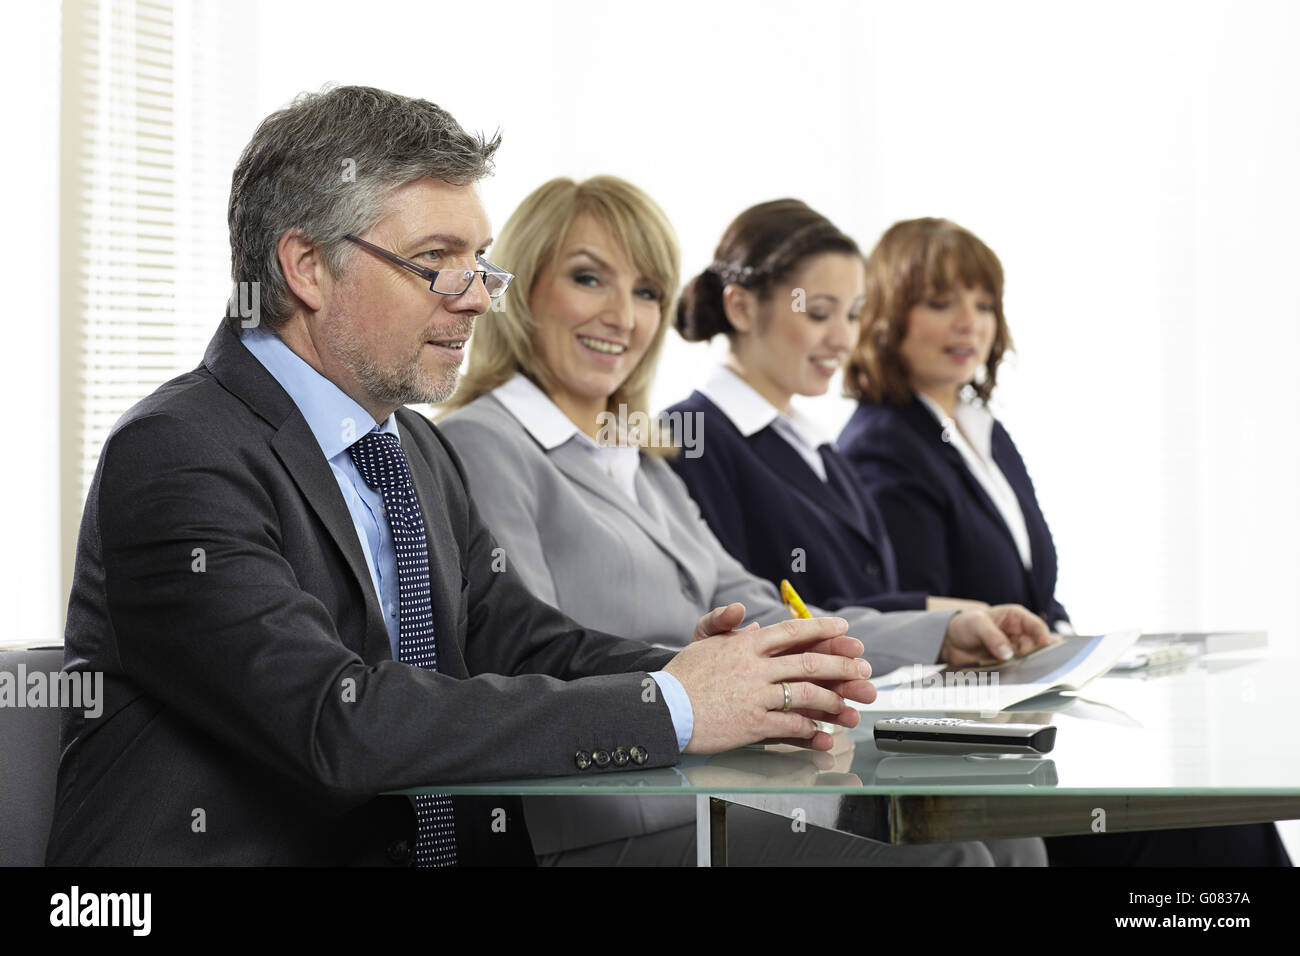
{"x": 1208, "y": 742}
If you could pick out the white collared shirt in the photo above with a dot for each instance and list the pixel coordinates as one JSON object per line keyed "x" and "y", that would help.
{"x": 543, "y": 419}
{"x": 750, "y": 412}
{"x": 972, "y": 436}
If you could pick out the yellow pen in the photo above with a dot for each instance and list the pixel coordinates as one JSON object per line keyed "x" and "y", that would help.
{"x": 792, "y": 600}
{"x": 794, "y": 604}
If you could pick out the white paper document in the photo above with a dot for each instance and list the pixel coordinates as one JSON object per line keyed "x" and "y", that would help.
{"x": 1068, "y": 665}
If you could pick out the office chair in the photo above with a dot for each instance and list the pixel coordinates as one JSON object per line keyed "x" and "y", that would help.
{"x": 29, "y": 764}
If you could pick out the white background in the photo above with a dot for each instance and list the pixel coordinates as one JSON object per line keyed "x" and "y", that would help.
{"x": 1134, "y": 166}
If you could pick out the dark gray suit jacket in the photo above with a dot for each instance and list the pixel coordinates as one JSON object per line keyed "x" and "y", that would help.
{"x": 252, "y": 709}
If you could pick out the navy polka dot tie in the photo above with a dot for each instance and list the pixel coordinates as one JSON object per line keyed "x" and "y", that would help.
{"x": 382, "y": 463}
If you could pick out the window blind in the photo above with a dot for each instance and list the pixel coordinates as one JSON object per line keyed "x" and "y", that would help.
{"x": 157, "y": 103}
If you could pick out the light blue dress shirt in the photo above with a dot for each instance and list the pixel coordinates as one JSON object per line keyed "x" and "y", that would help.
{"x": 337, "y": 421}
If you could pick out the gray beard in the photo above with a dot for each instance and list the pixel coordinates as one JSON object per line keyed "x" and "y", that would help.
{"x": 405, "y": 385}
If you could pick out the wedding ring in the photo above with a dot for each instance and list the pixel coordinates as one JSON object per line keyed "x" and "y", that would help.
{"x": 786, "y": 687}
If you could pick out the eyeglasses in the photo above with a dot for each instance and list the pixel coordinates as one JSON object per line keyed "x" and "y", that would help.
{"x": 447, "y": 281}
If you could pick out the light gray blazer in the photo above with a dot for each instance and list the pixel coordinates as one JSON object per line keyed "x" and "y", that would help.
{"x": 646, "y": 571}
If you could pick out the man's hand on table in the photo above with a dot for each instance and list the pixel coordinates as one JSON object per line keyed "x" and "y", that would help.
{"x": 733, "y": 679}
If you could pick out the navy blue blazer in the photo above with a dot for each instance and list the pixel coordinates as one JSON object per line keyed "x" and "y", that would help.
{"x": 948, "y": 536}
{"x": 763, "y": 501}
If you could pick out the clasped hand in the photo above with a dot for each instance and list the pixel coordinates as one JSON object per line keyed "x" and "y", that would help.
{"x": 735, "y": 678}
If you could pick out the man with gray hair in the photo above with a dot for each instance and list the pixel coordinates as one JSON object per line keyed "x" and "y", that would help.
{"x": 285, "y": 582}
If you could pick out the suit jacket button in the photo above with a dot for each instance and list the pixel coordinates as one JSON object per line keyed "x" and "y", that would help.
{"x": 639, "y": 755}
{"x": 399, "y": 851}
{"x": 582, "y": 759}
{"x": 600, "y": 758}
{"x": 620, "y": 757}
{"x": 872, "y": 569}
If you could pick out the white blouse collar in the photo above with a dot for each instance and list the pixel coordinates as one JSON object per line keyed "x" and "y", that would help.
{"x": 540, "y": 416}
{"x": 750, "y": 412}
{"x": 972, "y": 417}
{"x": 542, "y": 419}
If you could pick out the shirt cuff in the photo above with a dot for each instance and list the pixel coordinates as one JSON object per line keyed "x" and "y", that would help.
{"x": 1064, "y": 627}
{"x": 679, "y": 706}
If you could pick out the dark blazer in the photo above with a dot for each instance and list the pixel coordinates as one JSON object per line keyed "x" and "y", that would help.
{"x": 252, "y": 709}
{"x": 763, "y": 501}
{"x": 948, "y": 535}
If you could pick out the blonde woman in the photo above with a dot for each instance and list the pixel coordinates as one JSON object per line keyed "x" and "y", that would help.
{"x": 598, "y": 525}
